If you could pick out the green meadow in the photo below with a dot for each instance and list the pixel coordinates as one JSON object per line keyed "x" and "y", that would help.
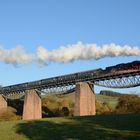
{"x": 99, "y": 127}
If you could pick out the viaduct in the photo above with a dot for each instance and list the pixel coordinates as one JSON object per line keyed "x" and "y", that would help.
{"x": 118, "y": 76}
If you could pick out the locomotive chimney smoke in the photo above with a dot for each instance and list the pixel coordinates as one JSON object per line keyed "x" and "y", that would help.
{"x": 65, "y": 54}
{"x": 15, "y": 56}
{"x": 82, "y": 51}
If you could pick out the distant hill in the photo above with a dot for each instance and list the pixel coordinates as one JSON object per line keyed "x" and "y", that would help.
{"x": 110, "y": 93}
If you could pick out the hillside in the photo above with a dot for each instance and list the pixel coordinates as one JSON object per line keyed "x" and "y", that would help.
{"x": 55, "y": 103}
{"x": 111, "y": 100}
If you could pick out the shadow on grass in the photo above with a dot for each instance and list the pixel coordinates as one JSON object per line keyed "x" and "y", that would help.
{"x": 111, "y": 127}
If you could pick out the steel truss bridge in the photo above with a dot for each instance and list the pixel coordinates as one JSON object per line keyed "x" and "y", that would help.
{"x": 112, "y": 78}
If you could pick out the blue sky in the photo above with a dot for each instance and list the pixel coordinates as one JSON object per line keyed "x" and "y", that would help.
{"x": 52, "y": 23}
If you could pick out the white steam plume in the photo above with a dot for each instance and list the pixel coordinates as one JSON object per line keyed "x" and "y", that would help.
{"x": 66, "y": 54}
{"x": 82, "y": 51}
{"x": 15, "y": 56}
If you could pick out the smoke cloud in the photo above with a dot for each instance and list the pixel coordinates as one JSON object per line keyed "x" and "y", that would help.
{"x": 66, "y": 54}
{"x": 15, "y": 56}
{"x": 82, "y": 51}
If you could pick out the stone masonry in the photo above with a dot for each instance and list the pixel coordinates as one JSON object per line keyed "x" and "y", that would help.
{"x": 84, "y": 100}
{"x": 3, "y": 103}
{"x": 32, "y": 106}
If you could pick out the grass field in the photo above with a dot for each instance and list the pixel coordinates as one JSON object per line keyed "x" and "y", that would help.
{"x": 103, "y": 127}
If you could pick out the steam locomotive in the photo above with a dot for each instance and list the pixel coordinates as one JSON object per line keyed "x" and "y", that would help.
{"x": 132, "y": 66}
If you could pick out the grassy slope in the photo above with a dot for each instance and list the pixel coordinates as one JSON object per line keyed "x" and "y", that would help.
{"x": 112, "y": 101}
{"x": 108, "y": 127}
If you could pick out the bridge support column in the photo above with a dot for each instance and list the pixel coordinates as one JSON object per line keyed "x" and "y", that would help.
{"x": 84, "y": 100}
{"x": 32, "y": 105}
{"x": 3, "y": 103}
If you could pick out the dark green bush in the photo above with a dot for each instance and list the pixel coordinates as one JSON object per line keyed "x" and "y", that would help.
{"x": 65, "y": 111}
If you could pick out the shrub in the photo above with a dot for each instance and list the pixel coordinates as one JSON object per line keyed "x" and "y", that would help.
{"x": 65, "y": 111}
{"x": 129, "y": 103}
{"x": 53, "y": 106}
{"x": 102, "y": 108}
{"x": 8, "y": 114}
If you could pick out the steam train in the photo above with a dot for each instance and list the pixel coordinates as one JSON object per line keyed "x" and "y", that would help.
{"x": 80, "y": 76}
